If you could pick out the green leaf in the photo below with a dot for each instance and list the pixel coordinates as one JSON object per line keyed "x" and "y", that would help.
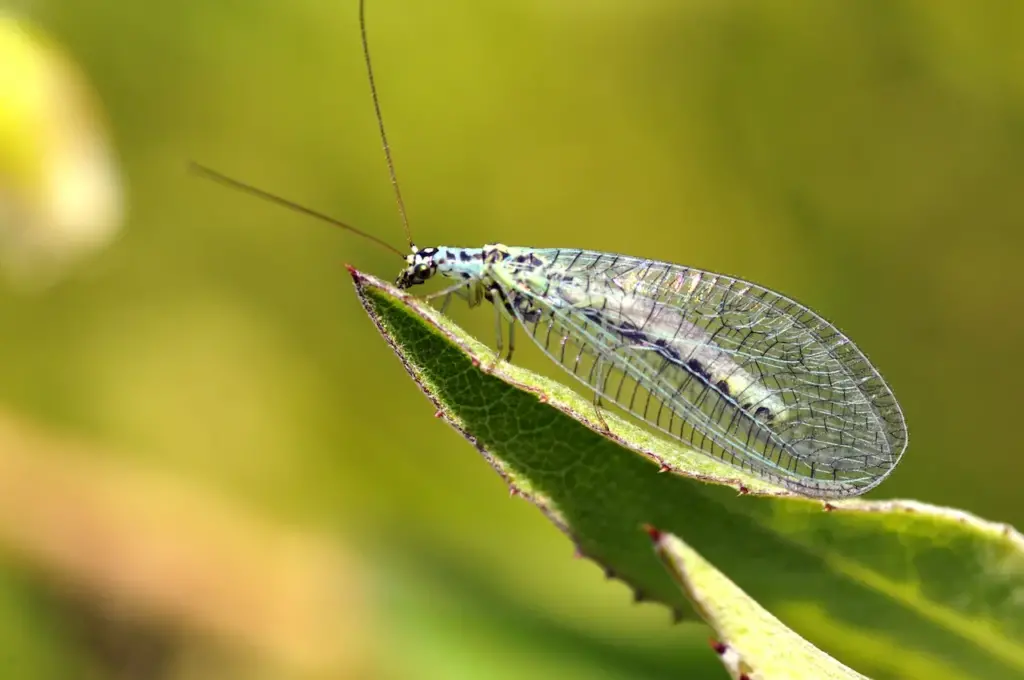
{"x": 752, "y": 642}
{"x": 895, "y": 589}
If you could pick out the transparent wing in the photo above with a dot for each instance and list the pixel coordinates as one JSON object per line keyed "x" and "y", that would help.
{"x": 730, "y": 368}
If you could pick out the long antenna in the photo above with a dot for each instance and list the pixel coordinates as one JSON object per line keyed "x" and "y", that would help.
{"x": 237, "y": 185}
{"x": 380, "y": 125}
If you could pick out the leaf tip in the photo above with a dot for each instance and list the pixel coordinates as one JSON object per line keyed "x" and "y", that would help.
{"x": 653, "y": 532}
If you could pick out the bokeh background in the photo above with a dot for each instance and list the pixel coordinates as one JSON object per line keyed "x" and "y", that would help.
{"x": 213, "y": 467}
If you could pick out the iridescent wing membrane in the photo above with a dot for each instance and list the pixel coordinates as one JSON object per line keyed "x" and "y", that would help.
{"x": 730, "y": 368}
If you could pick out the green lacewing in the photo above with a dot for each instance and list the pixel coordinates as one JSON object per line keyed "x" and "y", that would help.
{"x": 730, "y": 368}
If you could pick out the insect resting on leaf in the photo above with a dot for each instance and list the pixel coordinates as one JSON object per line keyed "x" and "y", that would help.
{"x": 735, "y": 370}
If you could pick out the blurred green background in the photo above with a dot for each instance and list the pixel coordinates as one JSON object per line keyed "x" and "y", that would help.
{"x": 866, "y": 158}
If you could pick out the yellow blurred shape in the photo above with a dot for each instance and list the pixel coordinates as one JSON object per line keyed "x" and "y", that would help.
{"x": 60, "y": 190}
